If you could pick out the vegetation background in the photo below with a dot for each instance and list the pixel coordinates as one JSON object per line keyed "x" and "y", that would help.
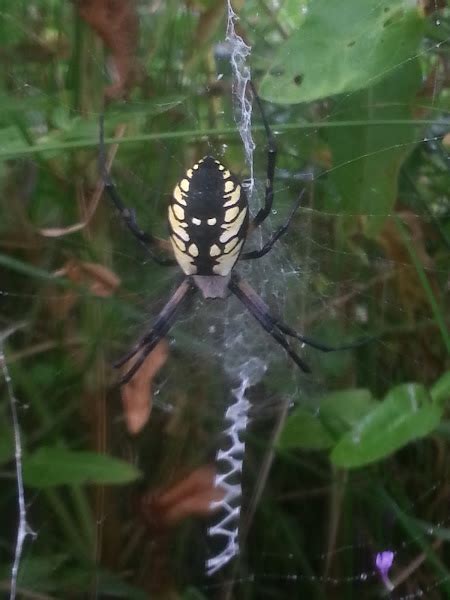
{"x": 340, "y": 465}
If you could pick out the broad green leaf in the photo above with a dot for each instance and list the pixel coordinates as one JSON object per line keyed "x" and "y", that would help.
{"x": 342, "y": 47}
{"x": 340, "y": 411}
{"x": 440, "y": 392}
{"x": 404, "y": 415}
{"x": 52, "y": 466}
{"x": 40, "y": 572}
{"x": 292, "y": 14}
{"x": 304, "y": 430}
{"x": 367, "y": 158}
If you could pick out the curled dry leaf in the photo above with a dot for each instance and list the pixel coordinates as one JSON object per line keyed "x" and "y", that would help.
{"x": 116, "y": 23}
{"x": 100, "y": 281}
{"x": 137, "y": 393}
{"x": 192, "y": 496}
{"x": 91, "y": 208}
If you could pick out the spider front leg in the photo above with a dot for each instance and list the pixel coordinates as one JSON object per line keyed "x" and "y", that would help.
{"x": 151, "y": 243}
{"x": 275, "y": 236}
{"x": 264, "y": 212}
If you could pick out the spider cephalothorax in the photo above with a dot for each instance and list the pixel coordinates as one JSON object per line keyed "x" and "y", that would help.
{"x": 208, "y": 218}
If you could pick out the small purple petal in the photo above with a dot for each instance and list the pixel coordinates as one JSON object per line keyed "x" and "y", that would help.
{"x": 384, "y": 562}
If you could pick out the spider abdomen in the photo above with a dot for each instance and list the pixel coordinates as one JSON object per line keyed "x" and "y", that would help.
{"x": 208, "y": 219}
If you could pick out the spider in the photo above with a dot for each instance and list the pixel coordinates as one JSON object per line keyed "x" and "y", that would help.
{"x": 209, "y": 221}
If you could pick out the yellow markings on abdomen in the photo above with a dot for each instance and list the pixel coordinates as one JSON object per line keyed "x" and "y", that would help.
{"x": 178, "y": 195}
{"x": 233, "y": 197}
{"x": 184, "y": 260}
{"x": 232, "y": 229}
{"x": 229, "y": 246}
{"x": 226, "y": 261}
{"x": 179, "y": 212}
{"x": 231, "y": 214}
{"x": 212, "y": 221}
{"x": 177, "y": 226}
{"x": 193, "y": 250}
{"x": 184, "y": 185}
{"x": 181, "y": 245}
{"x": 214, "y": 250}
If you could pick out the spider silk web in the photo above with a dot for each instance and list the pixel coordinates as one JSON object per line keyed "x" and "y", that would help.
{"x": 219, "y": 358}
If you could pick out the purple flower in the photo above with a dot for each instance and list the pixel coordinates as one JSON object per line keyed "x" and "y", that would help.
{"x": 384, "y": 562}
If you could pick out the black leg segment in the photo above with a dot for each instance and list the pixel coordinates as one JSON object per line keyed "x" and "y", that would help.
{"x": 264, "y": 212}
{"x": 161, "y": 327}
{"x": 127, "y": 214}
{"x": 277, "y": 329}
{"x": 275, "y": 236}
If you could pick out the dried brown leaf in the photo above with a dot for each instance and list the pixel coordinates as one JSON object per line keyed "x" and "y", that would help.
{"x": 100, "y": 281}
{"x": 137, "y": 393}
{"x": 191, "y": 496}
{"x": 116, "y": 23}
{"x": 55, "y": 232}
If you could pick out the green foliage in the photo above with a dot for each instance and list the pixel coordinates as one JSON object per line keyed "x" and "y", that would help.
{"x": 404, "y": 415}
{"x": 304, "y": 430}
{"x": 49, "y": 467}
{"x": 440, "y": 392}
{"x": 360, "y": 430}
{"x": 343, "y": 47}
{"x": 370, "y": 155}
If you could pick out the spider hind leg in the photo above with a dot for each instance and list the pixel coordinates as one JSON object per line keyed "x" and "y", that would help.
{"x": 277, "y": 329}
{"x": 161, "y": 327}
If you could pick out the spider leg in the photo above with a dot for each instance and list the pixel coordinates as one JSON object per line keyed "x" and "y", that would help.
{"x": 254, "y": 303}
{"x": 167, "y": 313}
{"x": 261, "y": 313}
{"x": 139, "y": 362}
{"x": 319, "y": 345}
{"x": 276, "y": 235}
{"x": 128, "y": 215}
{"x": 161, "y": 327}
{"x": 264, "y": 212}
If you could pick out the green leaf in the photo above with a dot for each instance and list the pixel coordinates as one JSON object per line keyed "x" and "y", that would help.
{"x": 340, "y": 411}
{"x": 40, "y": 572}
{"x": 440, "y": 392}
{"x": 342, "y": 47}
{"x": 405, "y": 415}
{"x": 52, "y": 466}
{"x": 304, "y": 430}
{"x": 367, "y": 158}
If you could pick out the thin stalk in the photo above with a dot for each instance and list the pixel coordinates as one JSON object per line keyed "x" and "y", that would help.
{"x": 438, "y": 314}
{"x": 195, "y": 134}
{"x": 67, "y": 524}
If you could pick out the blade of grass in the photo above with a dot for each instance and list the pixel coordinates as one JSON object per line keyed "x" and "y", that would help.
{"x": 436, "y": 309}
{"x": 418, "y": 538}
{"x": 195, "y": 134}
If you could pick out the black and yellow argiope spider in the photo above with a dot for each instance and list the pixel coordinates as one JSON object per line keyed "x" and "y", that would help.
{"x": 208, "y": 218}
